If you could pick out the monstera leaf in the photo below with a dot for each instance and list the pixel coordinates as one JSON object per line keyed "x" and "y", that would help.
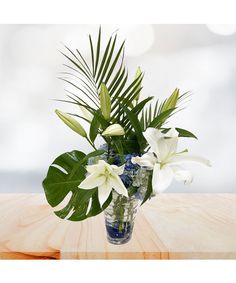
{"x": 64, "y": 176}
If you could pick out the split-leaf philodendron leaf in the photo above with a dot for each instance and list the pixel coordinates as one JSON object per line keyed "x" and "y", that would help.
{"x": 64, "y": 176}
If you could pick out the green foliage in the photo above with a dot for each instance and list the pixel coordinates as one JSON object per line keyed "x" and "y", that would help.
{"x": 94, "y": 127}
{"x": 106, "y": 68}
{"x": 104, "y": 91}
{"x": 118, "y": 146}
{"x": 136, "y": 110}
{"x": 185, "y": 133}
{"x": 64, "y": 176}
{"x": 158, "y": 121}
{"x": 171, "y": 102}
{"x": 131, "y": 144}
{"x": 137, "y": 128}
{"x": 156, "y": 115}
{"x": 103, "y": 85}
{"x": 182, "y": 133}
{"x": 148, "y": 192}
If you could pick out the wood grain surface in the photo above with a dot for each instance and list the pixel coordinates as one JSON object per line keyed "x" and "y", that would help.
{"x": 170, "y": 226}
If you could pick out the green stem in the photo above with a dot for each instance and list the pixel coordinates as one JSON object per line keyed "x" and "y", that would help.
{"x": 90, "y": 143}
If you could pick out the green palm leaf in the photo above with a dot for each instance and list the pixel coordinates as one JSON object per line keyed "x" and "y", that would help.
{"x": 108, "y": 67}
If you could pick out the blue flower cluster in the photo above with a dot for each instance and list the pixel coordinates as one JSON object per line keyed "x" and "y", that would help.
{"x": 130, "y": 169}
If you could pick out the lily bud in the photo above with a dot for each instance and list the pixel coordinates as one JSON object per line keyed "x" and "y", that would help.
{"x": 105, "y": 102}
{"x": 71, "y": 123}
{"x": 114, "y": 130}
{"x": 171, "y": 101}
{"x": 137, "y": 75}
{"x": 86, "y": 113}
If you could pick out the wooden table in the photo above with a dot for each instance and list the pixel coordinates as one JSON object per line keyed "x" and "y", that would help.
{"x": 170, "y": 226}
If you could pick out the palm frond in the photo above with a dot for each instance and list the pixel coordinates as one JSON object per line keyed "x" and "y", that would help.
{"x": 79, "y": 116}
{"x": 107, "y": 68}
{"x": 92, "y": 54}
{"x": 118, "y": 76}
{"x": 81, "y": 90}
{"x": 156, "y": 116}
{"x": 87, "y": 87}
{"x": 136, "y": 111}
{"x": 103, "y": 61}
{"x": 98, "y": 49}
{"x": 109, "y": 73}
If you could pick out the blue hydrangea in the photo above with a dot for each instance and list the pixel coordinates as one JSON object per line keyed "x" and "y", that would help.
{"x": 127, "y": 180}
{"x": 130, "y": 169}
{"x": 129, "y": 166}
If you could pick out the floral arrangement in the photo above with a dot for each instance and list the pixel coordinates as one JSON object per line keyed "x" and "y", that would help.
{"x": 139, "y": 157}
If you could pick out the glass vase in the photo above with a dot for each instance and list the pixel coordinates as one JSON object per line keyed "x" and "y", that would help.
{"x": 119, "y": 218}
{"x": 121, "y": 212}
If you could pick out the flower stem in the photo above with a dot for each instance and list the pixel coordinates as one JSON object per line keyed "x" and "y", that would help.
{"x": 90, "y": 143}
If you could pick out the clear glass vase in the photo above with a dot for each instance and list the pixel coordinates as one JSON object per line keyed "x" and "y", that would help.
{"x": 121, "y": 212}
{"x": 119, "y": 218}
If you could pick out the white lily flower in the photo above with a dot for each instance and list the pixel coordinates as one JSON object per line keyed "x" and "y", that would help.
{"x": 105, "y": 177}
{"x": 165, "y": 160}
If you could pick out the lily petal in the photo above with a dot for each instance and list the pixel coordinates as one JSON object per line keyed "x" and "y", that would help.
{"x": 146, "y": 160}
{"x": 172, "y": 133}
{"x": 162, "y": 178}
{"x": 98, "y": 167}
{"x": 118, "y": 186}
{"x": 92, "y": 181}
{"x": 163, "y": 151}
{"x": 167, "y": 145}
{"x": 103, "y": 193}
{"x": 181, "y": 174}
{"x": 186, "y": 158}
{"x": 171, "y": 139}
{"x": 152, "y": 136}
{"x": 118, "y": 170}
{"x": 93, "y": 168}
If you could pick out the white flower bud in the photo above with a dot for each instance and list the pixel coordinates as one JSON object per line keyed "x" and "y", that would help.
{"x": 71, "y": 123}
{"x": 114, "y": 130}
{"x": 105, "y": 102}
